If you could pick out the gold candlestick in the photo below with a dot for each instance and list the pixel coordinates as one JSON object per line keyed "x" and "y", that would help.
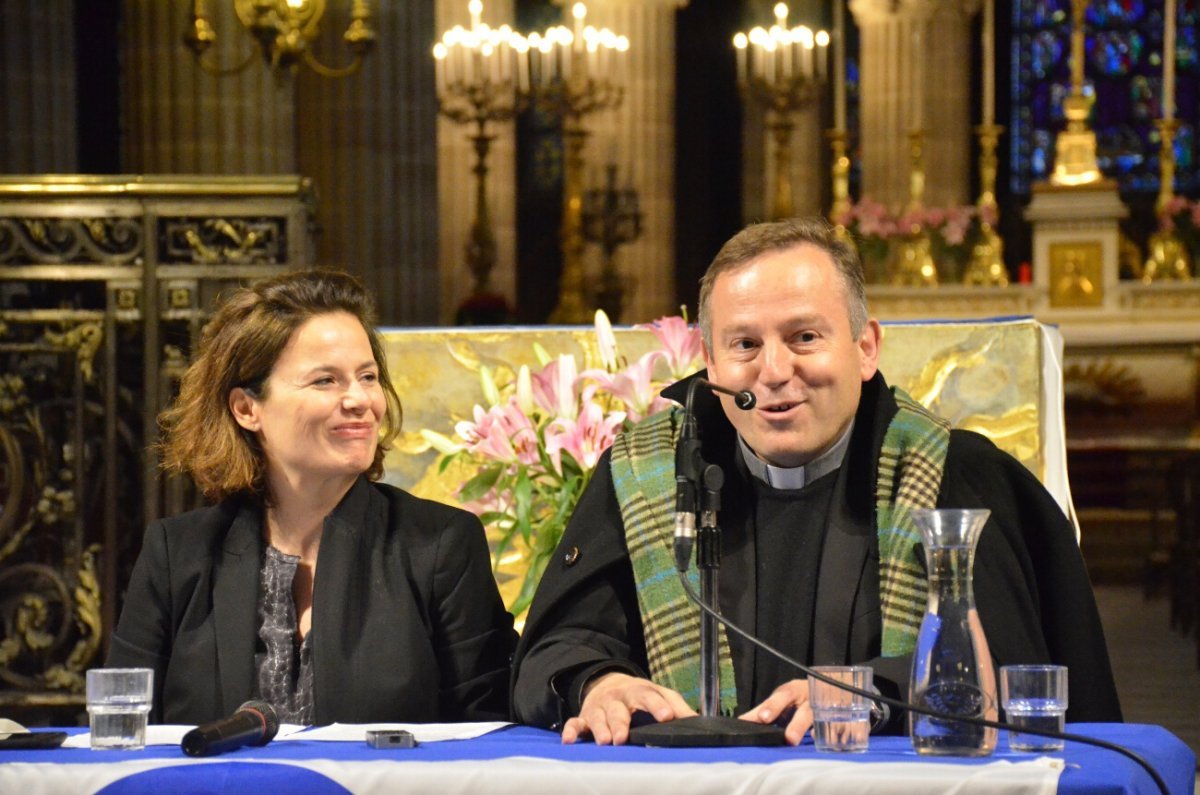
{"x": 1167, "y": 255}
{"x": 781, "y": 128}
{"x": 1075, "y": 147}
{"x": 986, "y": 267}
{"x": 840, "y": 171}
{"x": 572, "y": 306}
{"x": 916, "y": 171}
{"x": 914, "y": 262}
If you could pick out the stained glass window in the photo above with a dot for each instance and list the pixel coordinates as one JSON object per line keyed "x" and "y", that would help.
{"x": 1123, "y": 71}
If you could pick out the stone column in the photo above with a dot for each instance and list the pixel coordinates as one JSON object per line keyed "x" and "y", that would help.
{"x": 456, "y": 181}
{"x": 369, "y": 142}
{"x": 914, "y": 57}
{"x": 37, "y": 87}
{"x": 178, "y": 118}
{"x": 640, "y": 136}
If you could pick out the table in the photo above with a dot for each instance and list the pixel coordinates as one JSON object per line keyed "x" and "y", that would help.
{"x": 527, "y": 761}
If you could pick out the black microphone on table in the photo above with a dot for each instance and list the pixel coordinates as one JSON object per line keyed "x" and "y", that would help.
{"x": 688, "y": 465}
{"x": 254, "y": 723}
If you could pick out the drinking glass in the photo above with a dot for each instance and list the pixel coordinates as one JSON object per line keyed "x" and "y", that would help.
{"x": 118, "y": 704}
{"x": 1034, "y": 696}
{"x": 841, "y": 719}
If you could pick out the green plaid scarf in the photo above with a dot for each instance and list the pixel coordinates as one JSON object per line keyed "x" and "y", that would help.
{"x": 911, "y": 462}
{"x": 643, "y": 469}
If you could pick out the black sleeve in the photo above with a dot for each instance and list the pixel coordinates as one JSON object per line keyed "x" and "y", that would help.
{"x": 473, "y": 632}
{"x": 584, "y": 618}
{"x": 143, "y": 636}
{"x": 1031, "y": 585}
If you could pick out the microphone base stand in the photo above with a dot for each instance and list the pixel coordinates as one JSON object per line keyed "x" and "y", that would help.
{"x": 709, "y": 729}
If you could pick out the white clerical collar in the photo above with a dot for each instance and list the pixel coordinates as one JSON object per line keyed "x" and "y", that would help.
{"x": 796, "y": 477}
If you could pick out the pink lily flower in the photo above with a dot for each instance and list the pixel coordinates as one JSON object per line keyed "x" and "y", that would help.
{"x": 633, "y": 386}
{"x": 681, "y": 344}
{"x": 554, "y": 387}
{"x": 502, "y": 433}
{"x": 585, "y": 437}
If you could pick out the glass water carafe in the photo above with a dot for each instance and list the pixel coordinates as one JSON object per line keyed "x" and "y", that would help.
{"x": 952, "y": 667}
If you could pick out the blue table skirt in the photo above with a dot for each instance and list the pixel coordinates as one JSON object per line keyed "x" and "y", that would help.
{"x": 1088, "y": 769}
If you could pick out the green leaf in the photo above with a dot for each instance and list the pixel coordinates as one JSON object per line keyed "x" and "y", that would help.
{"x": 481, "y": 484}
{"x": 533, "y": 575}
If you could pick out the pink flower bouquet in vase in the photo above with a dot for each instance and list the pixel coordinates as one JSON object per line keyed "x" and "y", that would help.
{"x": 534, "y": 445}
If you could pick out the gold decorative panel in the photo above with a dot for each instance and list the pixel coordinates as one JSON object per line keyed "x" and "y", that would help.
{"x": 1076, "y": 274}
{"x": 982, "y": 375}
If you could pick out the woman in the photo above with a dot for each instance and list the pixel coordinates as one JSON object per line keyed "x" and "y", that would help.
{"x": 283, "y": 421}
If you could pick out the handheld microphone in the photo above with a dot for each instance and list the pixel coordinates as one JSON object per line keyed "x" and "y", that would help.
{"x": 254, "y": 723}
{"x": 689, "y": 465}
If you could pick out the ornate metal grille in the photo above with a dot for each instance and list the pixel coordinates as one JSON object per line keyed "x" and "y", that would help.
{"x": 104, "y": 285}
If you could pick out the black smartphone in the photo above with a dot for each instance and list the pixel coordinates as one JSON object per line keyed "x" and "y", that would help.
{"x": 391, "y": 738}
{"x": 25, "y": 741}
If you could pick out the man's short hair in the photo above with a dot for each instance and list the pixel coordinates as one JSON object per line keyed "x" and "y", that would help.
{"x": 758, "y": 239}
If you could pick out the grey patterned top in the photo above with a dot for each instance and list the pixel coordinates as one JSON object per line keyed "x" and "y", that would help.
{"x": 283, "y": 665}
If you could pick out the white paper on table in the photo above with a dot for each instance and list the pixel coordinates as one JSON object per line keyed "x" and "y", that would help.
{"x": 167, "y": 734}
{"x": 423, "y": 732}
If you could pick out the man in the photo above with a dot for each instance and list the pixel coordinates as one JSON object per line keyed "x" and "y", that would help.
{"x": 815, "y": 560}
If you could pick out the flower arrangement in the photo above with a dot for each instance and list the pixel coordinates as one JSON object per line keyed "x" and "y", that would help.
{"x": 953, "y": 233}
{"x": 536, "y": 443}
{"x": 1183, "y": 218}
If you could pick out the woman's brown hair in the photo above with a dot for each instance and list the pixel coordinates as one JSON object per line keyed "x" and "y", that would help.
{"x": 238, "y": 348}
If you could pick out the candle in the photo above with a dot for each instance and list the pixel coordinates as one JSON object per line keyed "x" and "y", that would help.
{"x": 739, "y": 46}
{"x": 989, "y": 63}
{"x": 523, "y": 75}
{"x": 918, "y": 75}
{"x": 1168, "y": 89}
{"x": 806, "y": 44}
{"x": 822, "y": 56}
{"x": 579, "y": 11}
{"x": 839, "y": 66}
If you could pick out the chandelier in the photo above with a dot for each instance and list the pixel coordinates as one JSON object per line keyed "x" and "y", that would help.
{"x": 284, "y": 30}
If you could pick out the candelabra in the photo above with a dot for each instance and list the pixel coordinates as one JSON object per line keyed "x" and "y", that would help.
{"x": 1167, "y": 255}
{"x": 782, "y": 70}
{"x": 569, "y": 74}
{"x": 987, "y": 256}
{"x": 284, "y": 30}
{"x": 482, "y": 77}
{"x": 611, "y": 218}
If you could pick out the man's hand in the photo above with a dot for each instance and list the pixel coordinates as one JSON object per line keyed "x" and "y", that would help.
{"x": 609, "y": 702}
{"x": 789, "y": 695}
